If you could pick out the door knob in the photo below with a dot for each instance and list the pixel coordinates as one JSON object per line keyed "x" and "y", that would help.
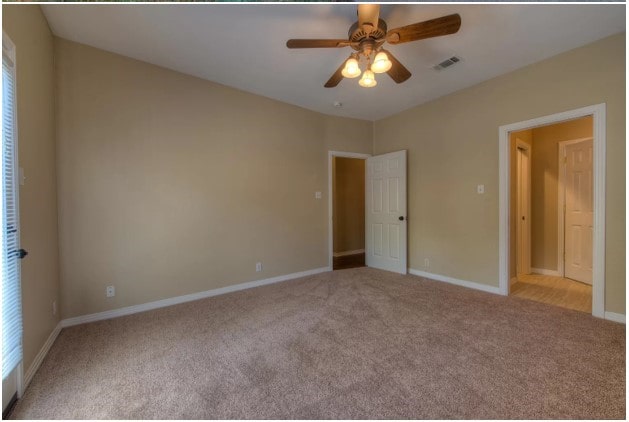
{"x": 401, "y": 218}
{"x": 21, "y": 253}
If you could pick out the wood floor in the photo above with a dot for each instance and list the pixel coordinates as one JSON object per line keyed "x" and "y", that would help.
{"x": 348, "y": 261}
{"x": 557, "y": 291}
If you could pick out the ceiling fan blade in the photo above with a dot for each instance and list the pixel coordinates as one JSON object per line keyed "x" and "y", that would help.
{"x": 428, "y": 29}
{"x": 398, "y": 72}
{"x": 317, "y": 43}
{"x": 368, "y": 15}
{"x": 336, "y": 77}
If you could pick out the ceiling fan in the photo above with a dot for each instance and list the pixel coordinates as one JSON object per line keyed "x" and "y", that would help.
{"x": 366, "y": 37}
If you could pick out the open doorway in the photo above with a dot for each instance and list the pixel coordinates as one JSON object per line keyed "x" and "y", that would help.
{"x": 348, "y": 211}
{"x": 551, "y": 213}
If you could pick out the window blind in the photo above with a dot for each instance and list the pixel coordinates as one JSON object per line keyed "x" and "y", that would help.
{"x": 9, "y": 234}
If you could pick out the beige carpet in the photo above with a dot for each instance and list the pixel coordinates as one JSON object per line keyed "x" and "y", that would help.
{"x": 358, "y": 343}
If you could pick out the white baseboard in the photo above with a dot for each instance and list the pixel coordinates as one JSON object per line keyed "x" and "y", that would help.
{"x": 613, "y": 316}
{"x": 114, "y": 313}
{"x": 345, "y": 253}
{"x": 28, "y": 376}
{"x": 462, "y": 283}
{"x": 543, "y": 271}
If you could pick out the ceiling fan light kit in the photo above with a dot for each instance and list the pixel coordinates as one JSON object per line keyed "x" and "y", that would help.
{"x": 367, "y": 36}
{"x": 381, "y": 64}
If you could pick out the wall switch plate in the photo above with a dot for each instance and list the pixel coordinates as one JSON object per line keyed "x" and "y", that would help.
{"x": 111, "y": 291}
{"x": 258, "y": 267}
{"x": 317, "y": 195}
{"x": 480, "y": 188}
{"x": 426, "y": 262}
{"x": 54, "y": 307}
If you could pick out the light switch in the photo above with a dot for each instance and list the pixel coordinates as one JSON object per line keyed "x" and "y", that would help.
{"x": 480, "y": 188}
{"x": 317, "y": 195}
{"x": 21, "y": 176}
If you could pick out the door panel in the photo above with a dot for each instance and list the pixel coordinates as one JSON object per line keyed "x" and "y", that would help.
{"x": 377, "y": 195}
{"x": 394, "y": 205}
{"x": 394, "y": 241}
{"x": 377, "y": 239}
{"x": 578, "y": 211}
{"x": 386, "y": 204}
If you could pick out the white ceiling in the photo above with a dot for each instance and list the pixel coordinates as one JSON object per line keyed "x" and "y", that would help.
{"x": 244, "y": 45}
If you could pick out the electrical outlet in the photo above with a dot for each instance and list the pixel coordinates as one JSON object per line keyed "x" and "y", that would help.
{"x": 258, "y": 267}
{"x": 111, "y": 291}
{"x": 317, "y": 195}
{"x": 54, "y": 307}
{"x": 426, "y": 262}
{"x": 480, "y": 189}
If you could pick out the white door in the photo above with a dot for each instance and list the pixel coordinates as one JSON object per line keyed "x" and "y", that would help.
{"x": 523, "y": 205}
{"x": 385, "y": 195}
{"x": 578, "y": 211}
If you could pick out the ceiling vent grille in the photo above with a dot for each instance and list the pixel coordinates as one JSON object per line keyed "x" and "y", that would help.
{"x": 447, "y": 63}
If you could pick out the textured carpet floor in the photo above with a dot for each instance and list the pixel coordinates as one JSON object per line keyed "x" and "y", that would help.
{"x": 358, "y": 343}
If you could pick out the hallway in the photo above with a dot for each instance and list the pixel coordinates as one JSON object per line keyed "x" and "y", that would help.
{"x": 553, "y": 290}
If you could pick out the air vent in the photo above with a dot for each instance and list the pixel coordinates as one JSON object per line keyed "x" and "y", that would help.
{"x": 447, "y": 63}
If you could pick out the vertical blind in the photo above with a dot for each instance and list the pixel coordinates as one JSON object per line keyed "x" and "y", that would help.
{"x": 9, "y": 235}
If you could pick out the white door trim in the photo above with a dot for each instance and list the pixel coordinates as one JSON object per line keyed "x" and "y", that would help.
{"x": 331, "y": 155}
{"x": 599, "y": 147}
{"x": 561, "y": 200}
{"x": 526, "y": 268}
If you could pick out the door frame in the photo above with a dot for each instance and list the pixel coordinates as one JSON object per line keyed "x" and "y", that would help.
{"x": 519, "y": 144}
{"x": 598, "y": 113}
{"x": 331, "y": 155}
{"x": 561, "y": 201}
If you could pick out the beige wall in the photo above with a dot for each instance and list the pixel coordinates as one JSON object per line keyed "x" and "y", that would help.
{"x": 349, "y": 204}
{"x": 28, "y": 29}
{"x": 170, "y": 185}
{"x": 544, "y": 192}
{"x": 452, "y": 145}
{"x": 526, "y": 137}
{"x": 349, "y": 135}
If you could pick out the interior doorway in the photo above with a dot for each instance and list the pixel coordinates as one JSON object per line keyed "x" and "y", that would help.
{"x": 347, "y": 210}
{"x": 552, "y": 193}
{"x": 375, "y": 204}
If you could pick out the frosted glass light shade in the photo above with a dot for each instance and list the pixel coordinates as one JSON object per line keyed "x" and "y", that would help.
{"x": 381, "y": 63}
{"x": 368, "y": 80}
{"x": 351, "y": 69}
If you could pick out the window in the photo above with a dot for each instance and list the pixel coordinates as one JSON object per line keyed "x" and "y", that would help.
{"x": 9, "y": 227}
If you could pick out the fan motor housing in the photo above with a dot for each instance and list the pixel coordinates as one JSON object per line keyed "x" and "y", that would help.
{"x": 357, "y": 34}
